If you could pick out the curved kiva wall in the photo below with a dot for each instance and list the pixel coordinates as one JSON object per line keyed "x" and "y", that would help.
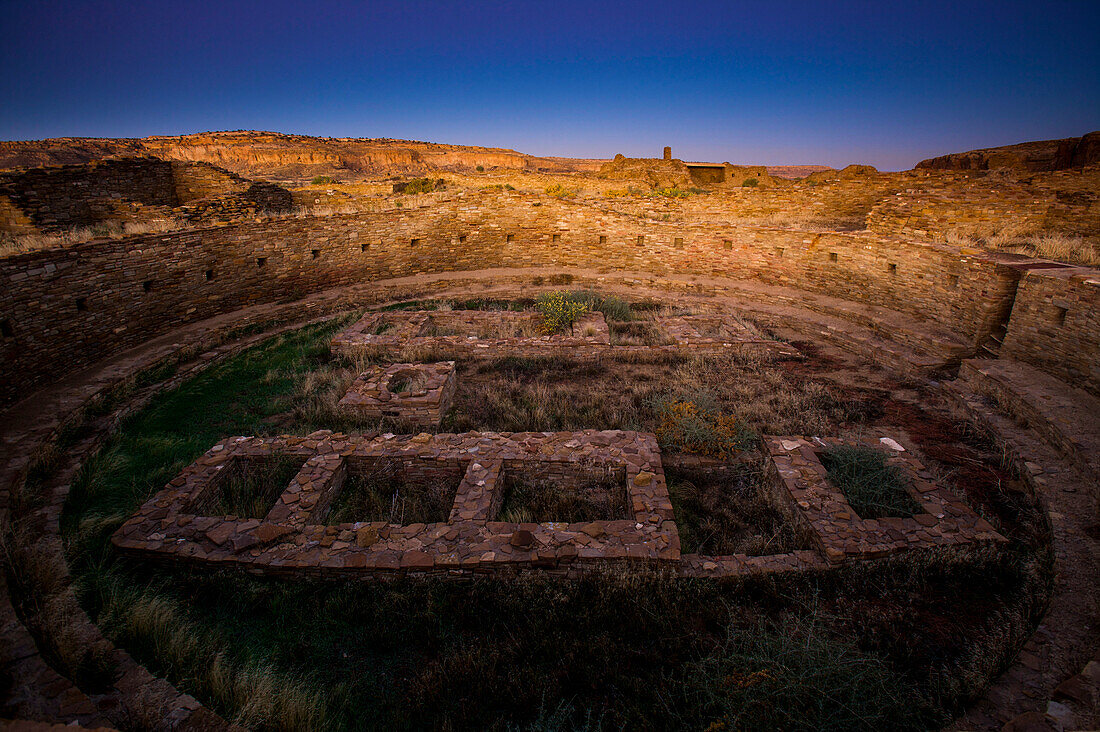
{"x": 64, "y": 309}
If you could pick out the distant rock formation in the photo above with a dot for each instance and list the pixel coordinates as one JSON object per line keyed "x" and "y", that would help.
{"x": 287, "y": 157}
{"x": 1033, "y": 157}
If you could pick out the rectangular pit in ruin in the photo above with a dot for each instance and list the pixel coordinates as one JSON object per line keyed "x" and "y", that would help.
{"x": 518, "y": 333}
{"x": 247, "y": 486}
{"x": 343, "y": 477}
{"x": 396, "y": 491}
{"x": 537, "y": 492}
{"x": 418, "y": 393}
{"x": 798, "y": 475}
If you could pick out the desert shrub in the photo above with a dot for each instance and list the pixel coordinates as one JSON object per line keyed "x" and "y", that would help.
{"x": 561, "y": 278}
{"x": 749, "y": 183}
{"x": 421, "y": 185}
{"x": 324, "y": 180}
{"x": 612, "y": 307}
{"x": 874, "y": 488}
{"x": 559, "y": 311}
{"x": 480, "y": 168}
{"x": 699, "y": 429}
{"x": 559, "y": 191}
{"x": 671, "y": 192}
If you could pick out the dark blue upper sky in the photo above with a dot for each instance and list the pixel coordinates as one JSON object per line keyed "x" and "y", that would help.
{"x": 773, "y": 81}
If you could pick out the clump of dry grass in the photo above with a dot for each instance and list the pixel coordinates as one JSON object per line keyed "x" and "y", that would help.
{"x": 19, "y": 244}
{"x": 1028, "y": 238}
{"x": 262, "y": 696}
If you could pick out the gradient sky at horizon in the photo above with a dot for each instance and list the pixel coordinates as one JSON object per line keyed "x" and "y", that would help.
{"x": 753, "y": 82}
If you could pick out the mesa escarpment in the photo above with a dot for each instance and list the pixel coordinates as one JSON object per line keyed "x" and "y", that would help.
{"x": 287, "y": 157}
{"x": 1034, "y": 157}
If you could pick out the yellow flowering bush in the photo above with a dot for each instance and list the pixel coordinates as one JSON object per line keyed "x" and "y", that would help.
{"x": 559, "y": 310}
{"x": 690, "y": 428}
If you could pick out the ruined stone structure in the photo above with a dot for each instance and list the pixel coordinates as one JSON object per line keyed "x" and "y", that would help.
{"x": 81, "y": 304}
{"x": 417, "y": 393}
{"x": 128, "y": 189}
{"x": 294, "y": 537}
{"x": 78, "y": 322}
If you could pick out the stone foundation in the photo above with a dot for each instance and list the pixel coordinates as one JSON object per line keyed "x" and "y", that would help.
{"x": 293, "y": 538}
{"x": 839, "y": 533}
{"x": 428, "y": 391}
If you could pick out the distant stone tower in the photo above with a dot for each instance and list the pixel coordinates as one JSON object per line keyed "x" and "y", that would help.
{"x": 668, "y": 153}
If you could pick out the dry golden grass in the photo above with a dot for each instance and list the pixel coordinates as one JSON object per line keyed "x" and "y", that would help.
{"x": 19, "y": 244}
{"x": 1030, "y": 239}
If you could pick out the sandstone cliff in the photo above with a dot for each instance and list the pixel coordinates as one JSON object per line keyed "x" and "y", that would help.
{"x": 1034, "y": 157}
{"x": 287, "y": 157}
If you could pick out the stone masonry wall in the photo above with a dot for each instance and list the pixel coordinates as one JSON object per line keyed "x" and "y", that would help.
{"x": 67, "y": 196}
{"x": 77, "y": 305}
{"x": 1055, "y": 324}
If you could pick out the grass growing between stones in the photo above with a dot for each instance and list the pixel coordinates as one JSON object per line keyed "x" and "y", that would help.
{"x": 253, "y": 486}
{"x": 723, "y": 511}
{"x": 897, "y": 644}
{"x": 873, "y": 488}
{"x": 535, "y": 501}
{"x": 383, "y": 493}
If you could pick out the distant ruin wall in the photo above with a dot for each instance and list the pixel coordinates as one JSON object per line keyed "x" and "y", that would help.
{"x": 67, "y": 196}
{"x": 78, "y": 305}
{"x": 63, "y": 197}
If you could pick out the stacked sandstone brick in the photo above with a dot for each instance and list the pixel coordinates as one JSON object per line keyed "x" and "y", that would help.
{"x": 372, "y": 395}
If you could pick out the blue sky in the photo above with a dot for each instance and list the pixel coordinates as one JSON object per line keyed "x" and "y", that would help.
{"x": 774, "y": 82}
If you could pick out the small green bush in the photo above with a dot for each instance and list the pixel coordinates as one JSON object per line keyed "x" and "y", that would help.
{"x": 559, "y": 191}
{"x": 420, "y": 185}
{"x": 559, "y": 311}
{"x": 324, "y": 180}
{"x": 874, "y": 488}
{"x": 750, "y": 183}
{"x": 612, "y": 307}
{"x": 480, "y": 168}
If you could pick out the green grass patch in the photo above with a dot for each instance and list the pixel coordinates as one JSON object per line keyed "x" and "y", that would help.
{"x": 874, "y": 488}
{"x": 252, "y": 486}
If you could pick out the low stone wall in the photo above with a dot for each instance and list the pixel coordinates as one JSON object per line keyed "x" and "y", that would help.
{"x": 78, "y": 305}
{"x": 1055, "y": 324}
{"x": 294, "y": 537}
{"x": 374, "y": 394}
